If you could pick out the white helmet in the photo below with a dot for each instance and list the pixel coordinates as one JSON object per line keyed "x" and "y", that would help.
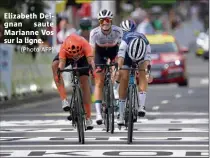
{"x": 137, "y": 49}
{"x": 105, "y": 14}
{"x": 128, "y": 25}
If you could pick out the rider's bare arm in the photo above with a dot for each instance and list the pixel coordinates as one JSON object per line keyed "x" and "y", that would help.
{"x": 62, "y": 58}
{"x": 121, "y": 53}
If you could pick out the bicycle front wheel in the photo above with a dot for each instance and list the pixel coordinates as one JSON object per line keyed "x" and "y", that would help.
{"x": 111, "y": 107}
{"x": 80, "y": 117}
{"x": 106, "y": 110}
{"x": 130, "y": 115}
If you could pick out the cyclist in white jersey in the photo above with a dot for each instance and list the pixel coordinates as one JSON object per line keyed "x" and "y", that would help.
{"x": 105, "y": 40}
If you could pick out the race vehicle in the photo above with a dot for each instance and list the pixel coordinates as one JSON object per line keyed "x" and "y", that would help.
{"x": 168, "y": 60}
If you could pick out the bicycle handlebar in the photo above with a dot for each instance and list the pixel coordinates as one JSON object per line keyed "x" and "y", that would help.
{"x": 108, "y": 65}
{"x": 75, "y": 69}
{"x": 136, "y": 69}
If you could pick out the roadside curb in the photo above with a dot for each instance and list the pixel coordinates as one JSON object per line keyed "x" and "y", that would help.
{"x": 33, "y": 97}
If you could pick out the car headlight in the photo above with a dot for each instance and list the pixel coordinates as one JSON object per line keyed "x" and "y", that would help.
{"x": 177, "y": 62}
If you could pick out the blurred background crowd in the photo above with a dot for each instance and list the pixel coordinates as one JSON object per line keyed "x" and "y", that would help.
{"x": 151, "y": 16}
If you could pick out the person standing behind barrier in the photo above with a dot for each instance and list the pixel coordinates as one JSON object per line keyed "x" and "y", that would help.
{"x": 66, "y": 30}
{"x": 85, "y": 25}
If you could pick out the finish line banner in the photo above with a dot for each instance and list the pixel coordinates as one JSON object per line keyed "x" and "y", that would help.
{"x": 6, "y": 53}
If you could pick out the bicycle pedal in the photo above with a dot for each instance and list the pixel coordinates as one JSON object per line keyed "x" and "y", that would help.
{"x": 141, "y": 114}
{"x": 121, "y": 124}
{"x": 67, "y": 108}
{"x": 69, "y": 118}
{"x": 99, "y": 122}
{"x": 89, "y": 127}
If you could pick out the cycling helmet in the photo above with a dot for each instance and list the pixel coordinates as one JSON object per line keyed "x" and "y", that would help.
{"x": 137, "y": 49}
{"x": 128, "y": 25}
{"x": 85, "y": 23}
{"x": 105, "y": 14}
{"x": 73, "y": 45}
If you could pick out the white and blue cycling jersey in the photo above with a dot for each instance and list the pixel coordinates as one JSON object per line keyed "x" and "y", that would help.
{"x": 127, "y": 38}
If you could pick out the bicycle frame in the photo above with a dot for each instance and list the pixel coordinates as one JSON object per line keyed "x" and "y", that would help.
{"x": 77, "y": 111}
{"x": 108, "y": 95}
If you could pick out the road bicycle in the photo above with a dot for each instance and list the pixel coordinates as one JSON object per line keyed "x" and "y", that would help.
{"x": 76, "y": 110}
{"x": 108, "y": 102}
{"x": 132, "y": 101}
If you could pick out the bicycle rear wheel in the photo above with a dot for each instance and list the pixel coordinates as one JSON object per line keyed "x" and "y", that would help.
{"x": 130, "y": 115}
{"x": 80, "y": 116}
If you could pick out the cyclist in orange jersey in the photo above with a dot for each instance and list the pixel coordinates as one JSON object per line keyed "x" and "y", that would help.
{"x": 74, "y": 50}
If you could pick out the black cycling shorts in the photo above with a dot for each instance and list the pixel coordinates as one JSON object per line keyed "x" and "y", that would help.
{"x": 104, "y": 53}
{"x": 128, "y": 61}
{"x": 82, "y": 62}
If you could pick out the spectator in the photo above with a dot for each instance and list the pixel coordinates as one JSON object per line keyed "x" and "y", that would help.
{"x": 141, "y": 17}
{"x": 65, "y": 30}
{"x": 157, "y": 24}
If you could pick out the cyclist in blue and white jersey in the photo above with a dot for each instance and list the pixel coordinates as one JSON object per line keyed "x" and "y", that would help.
{"x": 134, "y": 48}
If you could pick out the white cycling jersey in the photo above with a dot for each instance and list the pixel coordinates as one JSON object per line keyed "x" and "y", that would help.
{"x": 98, "y": 38}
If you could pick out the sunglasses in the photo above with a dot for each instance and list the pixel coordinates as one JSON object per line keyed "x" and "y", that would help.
{"x": 107, "y": 20}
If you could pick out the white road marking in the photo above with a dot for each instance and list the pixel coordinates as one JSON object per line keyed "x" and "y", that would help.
{"x": 164, "y": 101}
{"x": 102, "y": 145}
{"x": 42, "y": 123}
{"x": 94, "y": 114}
{"x": 59, "y": 139}
{"x": 155, "y": 107}
{"x": 139, "y": 153}
{"x": 204, "y": 81}
{"x": 190, "y": 91}
{"x": 104, "y": 153}
{"x": 123, "y": 130}
{"x": 178, "y": 95}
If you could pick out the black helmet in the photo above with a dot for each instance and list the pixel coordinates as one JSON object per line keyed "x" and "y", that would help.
{"x": 85, "y": 23}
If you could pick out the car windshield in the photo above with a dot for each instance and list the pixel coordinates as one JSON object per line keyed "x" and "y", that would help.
{"x": 164, "y": 48}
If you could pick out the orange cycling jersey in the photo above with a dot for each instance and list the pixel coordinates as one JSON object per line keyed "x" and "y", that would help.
{"x": 74, "y": 47}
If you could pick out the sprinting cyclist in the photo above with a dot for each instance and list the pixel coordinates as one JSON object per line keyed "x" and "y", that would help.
{"x": 74, "y": 50}
{"x": 105, "y": 40}
{"x": 134, "y": 48}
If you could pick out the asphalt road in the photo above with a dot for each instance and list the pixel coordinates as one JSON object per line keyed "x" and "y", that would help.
{"x": 176, "y": 125}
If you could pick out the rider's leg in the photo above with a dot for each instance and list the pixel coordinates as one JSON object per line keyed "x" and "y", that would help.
{"x": 60, "y": 84}
{"x": 84, "y": 83}
{"x": 98, "y": 95}
{"x": 99, "y": 84}
{"x": 143, "y": 85}
{"x": 116, "y": 78}
{"x": 124, "y": 78}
